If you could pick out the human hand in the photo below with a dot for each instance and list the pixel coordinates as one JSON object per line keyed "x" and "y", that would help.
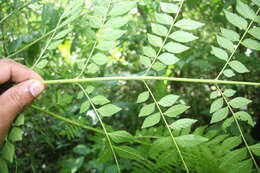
{"x": 16, "y": 98}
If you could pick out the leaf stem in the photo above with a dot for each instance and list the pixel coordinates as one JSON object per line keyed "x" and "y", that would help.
{"x": 166, "y": 37}
{"x": 67, "y": 120}
{"x": 103, "y": 126}
{"x": 95, "y": 43}
{"x": 238, "y": 126}
{"x": 47, "y": 44}
{"x": 75, "y": 123}
{"x": 35, "y": 41}
{"x": 168, "y": 127}
{"x": 141, "y": 78}
{"x": 240, "y": 41}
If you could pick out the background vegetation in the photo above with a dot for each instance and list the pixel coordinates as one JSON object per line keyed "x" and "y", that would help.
{"x": 56, "y": 39}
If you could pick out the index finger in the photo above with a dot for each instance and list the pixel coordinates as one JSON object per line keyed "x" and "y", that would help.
{"x": 15, "y": 72}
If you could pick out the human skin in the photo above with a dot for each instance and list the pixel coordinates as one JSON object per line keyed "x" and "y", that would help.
{"x": 13, "y": 101}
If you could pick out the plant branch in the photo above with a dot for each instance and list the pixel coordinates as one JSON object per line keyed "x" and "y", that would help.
{"x": 166, "y": 37}
{"x": 48, "y": 43}
{"x": 239, "y": 128}
{"x": 141, "y": 78}
{"x": 103, "y": 126}
{"x": 95, "y": 44}
{"x": 240, "y": 41}
{"x": 35, "y": 41}
{"x": 168, "y": 127}
{"x": 75, "y": 123}
{"x": 67, "y": 119}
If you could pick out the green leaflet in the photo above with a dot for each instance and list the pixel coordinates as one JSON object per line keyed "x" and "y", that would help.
{"x": 188, "y": 24}
{"x": 149, "y": 51}
{"x": 255, "y": 32}
{"x": 182, "y": 36}
{"x": 238, "y": 67}
{"x": 54, "y": 44}
{"x": 257, "y": 20}
{"x": 168, "y": 58}
{"x": 220, "y": 53}
{"x": 243, "y": 166}
{"x": 169, "y": 7}
{"x": 116, "y": 22}
{"x": 158, "y": 66}
{"x": 163, "y": 18}
{"x": 92, "y": 68}
{"x": 147, "y": 110}
{"x": 73, "y": 15}
{"x": 106, "y": 45}
{"x": 96, "y": 22}
{"x": 121, "y": 136}
{"x": 183, "y": 123}
{"x": 244, "y": 116}
{"x": 111, "y": 168}
{"x": 257, "y": 2}
{"x": 81, "y": 149}
{"x": 62, "y": 33}
{"x": 145, "y": 61}
{"x": 219, "y": 115}
{"x": 238, "y": 154}
{"x": 101, "y": 10}
{"x": 8, "y": 152}
{"x": 175, "y": 47}
{"x": 244, "y": 10}
{"x": 73, "y": 10}
{"x": 160, "y": 144}
{"x": 255, "y": 149}
{"x": 230, "y": 34}
{"x": 231, "y": 143}
{"x": 100, "y": 59}
{"x": 111, "y": 34}
{"x": 227, "y": 123}
{"x": 142, "y": 97}
{"x": 229, "y": 92}
{"x": 151, "y": 120}
{"x": 16, "y": 134}
{"x": 168, "y": 100}
{"x": 190, "y": 140}
{"x": 122, "y": 8}
{"x": 19, "y": 120}
{"x": 42, "y": 64}
{"x": 216, "y": 105}
{"x": 109, "y": 110}
{"x": 239, "y": 102}
{"x": 228, "y": 73}
{"x": 90, "y": 89}
{"x": 251, "y": 44}
{"x": 84, "y": 107}
{"x": 155, "y": 40}
{"x": 128, "y": 153}
{"x": 225, "y": 43}
{"x": 159, "y": 29}
{"x": 236, "y": 20}
{"x": 74, "y": 163}
{"x": 214, "y": 94}
{"x": 105, "y": 155}
{"x": 100, "y": 100}
{"x": 176, "y": 110}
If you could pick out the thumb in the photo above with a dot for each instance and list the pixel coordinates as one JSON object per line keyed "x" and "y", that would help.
{"x": 15, "y": 99}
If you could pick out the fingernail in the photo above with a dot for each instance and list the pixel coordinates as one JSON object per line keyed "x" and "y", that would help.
{"x": 36, "y": 88}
